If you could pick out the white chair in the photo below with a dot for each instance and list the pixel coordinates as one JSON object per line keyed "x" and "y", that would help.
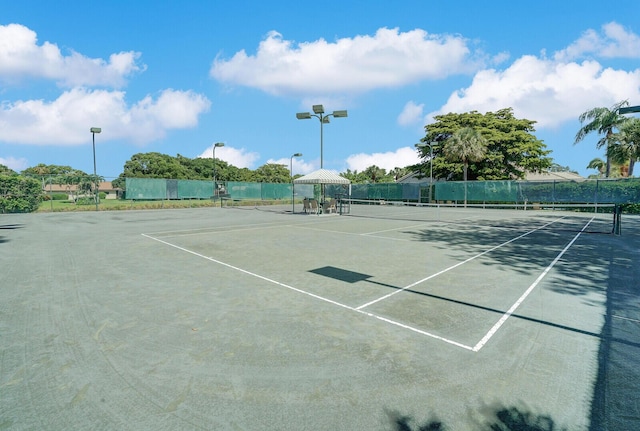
{"x": 314, "y": 206}
{"x": 330, "y": 207}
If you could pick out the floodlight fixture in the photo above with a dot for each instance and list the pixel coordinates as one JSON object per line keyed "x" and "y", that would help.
{"x": 95, "y": 130}
{"x": 629, "y": 110}
{"x": 318, "y": 112}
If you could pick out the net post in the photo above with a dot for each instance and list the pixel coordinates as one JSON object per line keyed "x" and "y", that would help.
{"x": 617, "y": 219}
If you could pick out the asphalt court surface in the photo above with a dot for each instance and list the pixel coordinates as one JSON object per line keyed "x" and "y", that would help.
{"x": 237, "y": 319}
{"x": 385, "y": 268}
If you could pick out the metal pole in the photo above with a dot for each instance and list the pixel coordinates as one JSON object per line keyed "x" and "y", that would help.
{"x": 95, "y": 178}
{"x": 214, "y": 176}
{"x": 430, "y": 169}
{"x": 321, "y": 138}
{"x": 293, "y": 194}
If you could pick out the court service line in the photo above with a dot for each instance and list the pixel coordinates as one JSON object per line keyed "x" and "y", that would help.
{"x": 321, "y": 298}
{"x": 520, "y": 300}
{"x": 382, "y": 298}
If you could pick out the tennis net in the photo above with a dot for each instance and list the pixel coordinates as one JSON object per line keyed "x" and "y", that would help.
{"x": 600, "y": 218}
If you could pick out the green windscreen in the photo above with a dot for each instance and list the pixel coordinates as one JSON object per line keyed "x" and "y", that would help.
{"x": 193, "y": 189}
{"x": 146, "y": 188}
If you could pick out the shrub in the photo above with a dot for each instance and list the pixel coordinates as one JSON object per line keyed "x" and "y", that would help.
{"x": 19, "y": 194}
{"x": 59, "y": 196}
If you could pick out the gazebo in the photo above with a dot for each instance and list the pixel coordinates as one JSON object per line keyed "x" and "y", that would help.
{"x": 322, "y": 177}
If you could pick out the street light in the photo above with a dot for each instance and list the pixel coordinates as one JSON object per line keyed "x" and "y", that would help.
{"x": 318, "y": 112}
{"x": 430, "y": 145}
{"x": 215, "y": 186}
{"x": 293, "y": 195}
{"x": 93, "y": 131}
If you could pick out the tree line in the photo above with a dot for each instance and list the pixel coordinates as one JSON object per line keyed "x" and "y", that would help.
{"x": 466, "y": 146}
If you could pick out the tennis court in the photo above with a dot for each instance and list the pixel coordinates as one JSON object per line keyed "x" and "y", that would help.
{"x": 228, "y": 318}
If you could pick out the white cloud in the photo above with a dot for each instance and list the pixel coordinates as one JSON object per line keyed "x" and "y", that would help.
{"x": 66, "y": 120}
{"x": 349, "y": 65}
{"x": 400, "y": 158}
{"x": 613, "y": 42}
{"x": 299, "y": 165}
{"x": 411, "y": 113}
{"x": 545, "y": 91}
{"x": 21, "y": 57}
{"x": 238, "y": 157}
{"x": 14, "y": 164}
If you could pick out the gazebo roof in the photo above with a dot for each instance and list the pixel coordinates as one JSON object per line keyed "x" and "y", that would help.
{"x": 322, "y": 176}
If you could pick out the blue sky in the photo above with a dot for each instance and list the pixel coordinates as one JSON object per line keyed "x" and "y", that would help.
{"x": 177, "y": 77}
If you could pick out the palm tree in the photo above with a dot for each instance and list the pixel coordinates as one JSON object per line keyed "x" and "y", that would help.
{"x": 465, "y": 145}
{"x": 603, "y": 121}
{"x": 598, "y": 164}
{"x": 626, "y": 149}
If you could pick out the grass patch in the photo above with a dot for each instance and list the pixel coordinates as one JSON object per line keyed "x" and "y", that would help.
{"x": 123, "y": 205}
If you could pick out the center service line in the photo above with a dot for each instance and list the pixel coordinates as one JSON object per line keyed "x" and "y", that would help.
{"x": 517, "y": 304}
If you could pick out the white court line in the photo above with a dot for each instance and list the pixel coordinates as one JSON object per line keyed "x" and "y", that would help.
{"x": 517, "y": 304}
{"x": 330, "y": 301}
{"x": 626, "y": 318}
{"x": 382, "y": 298}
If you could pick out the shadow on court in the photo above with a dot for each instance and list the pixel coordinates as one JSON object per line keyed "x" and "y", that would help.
{"x": 348, "y": 276}
{"x": 499, "y": 418}
{"x": 4, "y": 239}
{"x": 614, "y": 403}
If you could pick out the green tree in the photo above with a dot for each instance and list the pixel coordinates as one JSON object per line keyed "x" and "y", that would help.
{"x": 603, "y": 121}
{"x": 19, "y": 194}
{"x": 4, "y": 170}
{"x": 465, "y": 145}
{"x": 598, "y": 164}
{"x": 43, "y": 170}
{"x": 355, "y": 177}
{"x": 375, "y": 174}
{"x": 398, "y": 173}
{"x": 512, "y": 149}
{"x": 272, "y": 173}
{"x": 626, "y": 147}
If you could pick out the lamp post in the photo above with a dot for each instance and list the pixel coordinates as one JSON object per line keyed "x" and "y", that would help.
{"x": 430, "y": 145}
{"x": 93, "y": 131}
{"x": 293, "y": 195}
{"x": 318, "y": 112}
{"x": 215, "y": 186}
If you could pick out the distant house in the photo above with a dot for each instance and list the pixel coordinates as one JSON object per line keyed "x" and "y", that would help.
{"x": 414, "y": 177}
{"x": 71, "y": 190}
{"x": 553, "y": 176}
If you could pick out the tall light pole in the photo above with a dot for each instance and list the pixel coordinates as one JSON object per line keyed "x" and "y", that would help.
{"x": 215, "y": 186}
{"x": 93, "y": 131}
{"x": 430, "y": 145}
{"x": 318, "y": 112}
{"x": 293, "y": 195}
